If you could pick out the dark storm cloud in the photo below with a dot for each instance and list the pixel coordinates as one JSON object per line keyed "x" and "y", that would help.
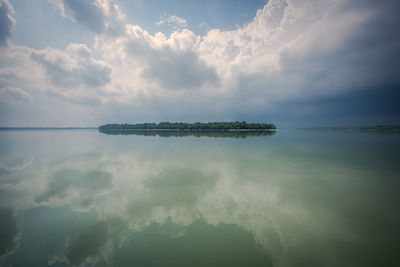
{"x": 7, "y": 22}
{"x": 369, "y": 63}
{"x": 348, "y": 73}
{"x": 371, "y": 106}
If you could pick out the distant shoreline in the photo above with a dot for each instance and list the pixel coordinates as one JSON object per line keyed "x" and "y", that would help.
{"x": 389, "y": 128}
{"x": 381, "y": 128}
{"x": 47, "y": 128}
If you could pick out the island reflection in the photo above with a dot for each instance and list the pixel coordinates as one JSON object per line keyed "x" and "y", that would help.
{"x": 182, "y": 133}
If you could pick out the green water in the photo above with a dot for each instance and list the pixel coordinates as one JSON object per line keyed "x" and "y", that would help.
{"x": 295, "y": 198}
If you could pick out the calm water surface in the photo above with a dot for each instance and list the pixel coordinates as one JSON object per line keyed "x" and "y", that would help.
{"x": 296, "y": 198}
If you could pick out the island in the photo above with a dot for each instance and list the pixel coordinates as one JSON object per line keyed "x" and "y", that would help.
{"x": 215, "y": 129}
{"x": 197, "y": 126}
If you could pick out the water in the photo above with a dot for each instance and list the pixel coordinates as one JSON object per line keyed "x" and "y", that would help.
{"x": 295, "y": 198}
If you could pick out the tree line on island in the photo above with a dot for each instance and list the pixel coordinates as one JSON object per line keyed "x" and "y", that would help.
{"x": 197, "y": 126}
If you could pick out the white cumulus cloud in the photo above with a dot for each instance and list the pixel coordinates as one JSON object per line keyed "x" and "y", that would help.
{"x": 173, "y": 20}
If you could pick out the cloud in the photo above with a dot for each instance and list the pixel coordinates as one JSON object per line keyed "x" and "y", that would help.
{"x": 16, "y": 68}
{"x": 83, "y": 247}
{"x": 173, "y": 187}
{"x": 164, "y": 63}
{"x": 94, "y": 14}
{"x": 306, "y": 50}
{"x": 175, "y": 21}
{"x": 113, "y": 243}
{"x": 7, "y": 21}
{"x": 12, "y": 164}
{"x": 290, "y": 50}
{"x": 292, "y": 54}
{"x": 9, "y": 232}
{"x": 14, "y": 95}
{"x": 204, "y": 25}
{"x": 172, "y": 63}
{"x": 75, "y": 68}
{"x": 73, "y": 184}
{"x": 72, "y": 74}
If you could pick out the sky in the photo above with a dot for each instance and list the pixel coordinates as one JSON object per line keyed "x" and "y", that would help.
{"x": 295, "y": 63}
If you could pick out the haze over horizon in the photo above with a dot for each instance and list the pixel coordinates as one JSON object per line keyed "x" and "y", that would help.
{"x": 288, "y": 62}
